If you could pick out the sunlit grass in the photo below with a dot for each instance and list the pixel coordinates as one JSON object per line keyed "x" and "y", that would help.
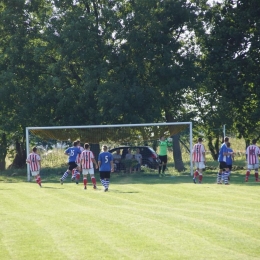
{"x": 141, "y": 217}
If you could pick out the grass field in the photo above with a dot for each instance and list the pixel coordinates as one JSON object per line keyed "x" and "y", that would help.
{"x": 141, "y": 217}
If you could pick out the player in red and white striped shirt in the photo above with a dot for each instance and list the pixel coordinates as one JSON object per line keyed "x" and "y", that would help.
{"x": 87, "y": 160}
{"x": 252, "y": 154}
{"x": 34, "y": 161}
{"x": 198, "y": 158}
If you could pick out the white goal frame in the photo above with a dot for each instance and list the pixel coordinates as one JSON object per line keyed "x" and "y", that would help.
{"x": 105, "y": 126}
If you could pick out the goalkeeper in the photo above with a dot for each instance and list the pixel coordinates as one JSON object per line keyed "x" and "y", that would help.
{"x": 163, "y": 145}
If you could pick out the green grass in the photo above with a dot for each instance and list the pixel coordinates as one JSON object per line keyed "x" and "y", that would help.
{"x": 141, "y": 217}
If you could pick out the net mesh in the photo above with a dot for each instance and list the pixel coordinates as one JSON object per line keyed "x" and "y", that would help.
{"x": 52, "y": 143}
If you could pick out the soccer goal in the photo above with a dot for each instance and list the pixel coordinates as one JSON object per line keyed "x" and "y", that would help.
{"x": 53, "y": 140}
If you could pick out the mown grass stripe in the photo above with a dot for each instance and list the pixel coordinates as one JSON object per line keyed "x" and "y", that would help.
{"x": 139, "y": 218}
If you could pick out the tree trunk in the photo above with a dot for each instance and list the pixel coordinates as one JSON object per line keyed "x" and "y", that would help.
{"x": 20, "y": 157}
{"x": 177, "y": 157}
{"x": 214, "y": 148}
{"x": 178, "y": 162}
{"x": 3, "y": 151}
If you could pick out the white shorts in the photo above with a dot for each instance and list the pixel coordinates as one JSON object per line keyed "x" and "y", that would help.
{"x": 86, "y": 171}
{"x": 199, "y": 165}
{"x": 35, "y": 173}
{"x": 253, "y": 166}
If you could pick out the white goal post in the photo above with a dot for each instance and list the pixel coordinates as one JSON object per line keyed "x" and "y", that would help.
{"x": 188, "y": 124}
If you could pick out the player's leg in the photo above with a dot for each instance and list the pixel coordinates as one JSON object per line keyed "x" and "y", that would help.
{"x": 256, "y": 173}
{"x": 249, "y": 168}
{"x": 93, "y": 179}
{"x": 229, "y": 173}
{"x": 77, "y": 177}
{"x": 163, "y": 168}
{"x": 247, "y": 174}
{"x": 64, "y": 176}
{"x": 225, "y": 176}
{"x": 107, "y": 180}
{"x": 94, "y": 182}
{"x": 201, "y": 166}
{"x": 38, "y": 180}
{"x": 73, "y": 177}
{"x": 160, "y": 165}
{"x": 219, "y": 177}
{"x": 199, "y": 171}
{"x": 102, "y": 179}
{"x": 72, "y": 165}
{"x": 196, "y": 172}
{"x": 37, "y": 177}
{"x": 200, "y": 176}
{"x": 164, "y": 165}
{"x": 85, "y": 178}
{"x": 76, "y": 174}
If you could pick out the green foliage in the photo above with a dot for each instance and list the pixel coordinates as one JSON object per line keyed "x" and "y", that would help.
{"x": 113, "y": 62}
{"x": 230, "y": 61}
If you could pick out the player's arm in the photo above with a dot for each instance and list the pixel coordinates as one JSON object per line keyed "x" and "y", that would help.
{"x": 232, "y": 154}
{"x": 225, "y": 152}
{"x": 169, "y": 142}
{"x": 94, "y": 161}
{"x": 112, "y": 165}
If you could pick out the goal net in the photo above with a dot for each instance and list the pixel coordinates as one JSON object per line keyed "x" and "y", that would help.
{"x": 53, "y": 141}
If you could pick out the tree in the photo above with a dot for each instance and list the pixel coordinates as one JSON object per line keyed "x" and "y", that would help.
{"x": 22, "y": 100}
{"x": 230, "y": 62}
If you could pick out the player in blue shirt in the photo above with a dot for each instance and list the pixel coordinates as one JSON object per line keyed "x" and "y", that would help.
{"x": 222, "y": 158}
{"x": 106, "y": 166}
{"x": 72, "y": 153}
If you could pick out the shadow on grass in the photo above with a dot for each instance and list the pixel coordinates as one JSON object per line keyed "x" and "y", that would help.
{"x": 48, "y": 187}
{"x": 149, "y": 178}
{"x": 119, "y": 191}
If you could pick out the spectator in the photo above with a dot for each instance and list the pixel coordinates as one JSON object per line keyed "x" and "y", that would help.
{"x": 117, "y": 160}
{"x": 138, "y": 159}
{"x": 129, "y": 161}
